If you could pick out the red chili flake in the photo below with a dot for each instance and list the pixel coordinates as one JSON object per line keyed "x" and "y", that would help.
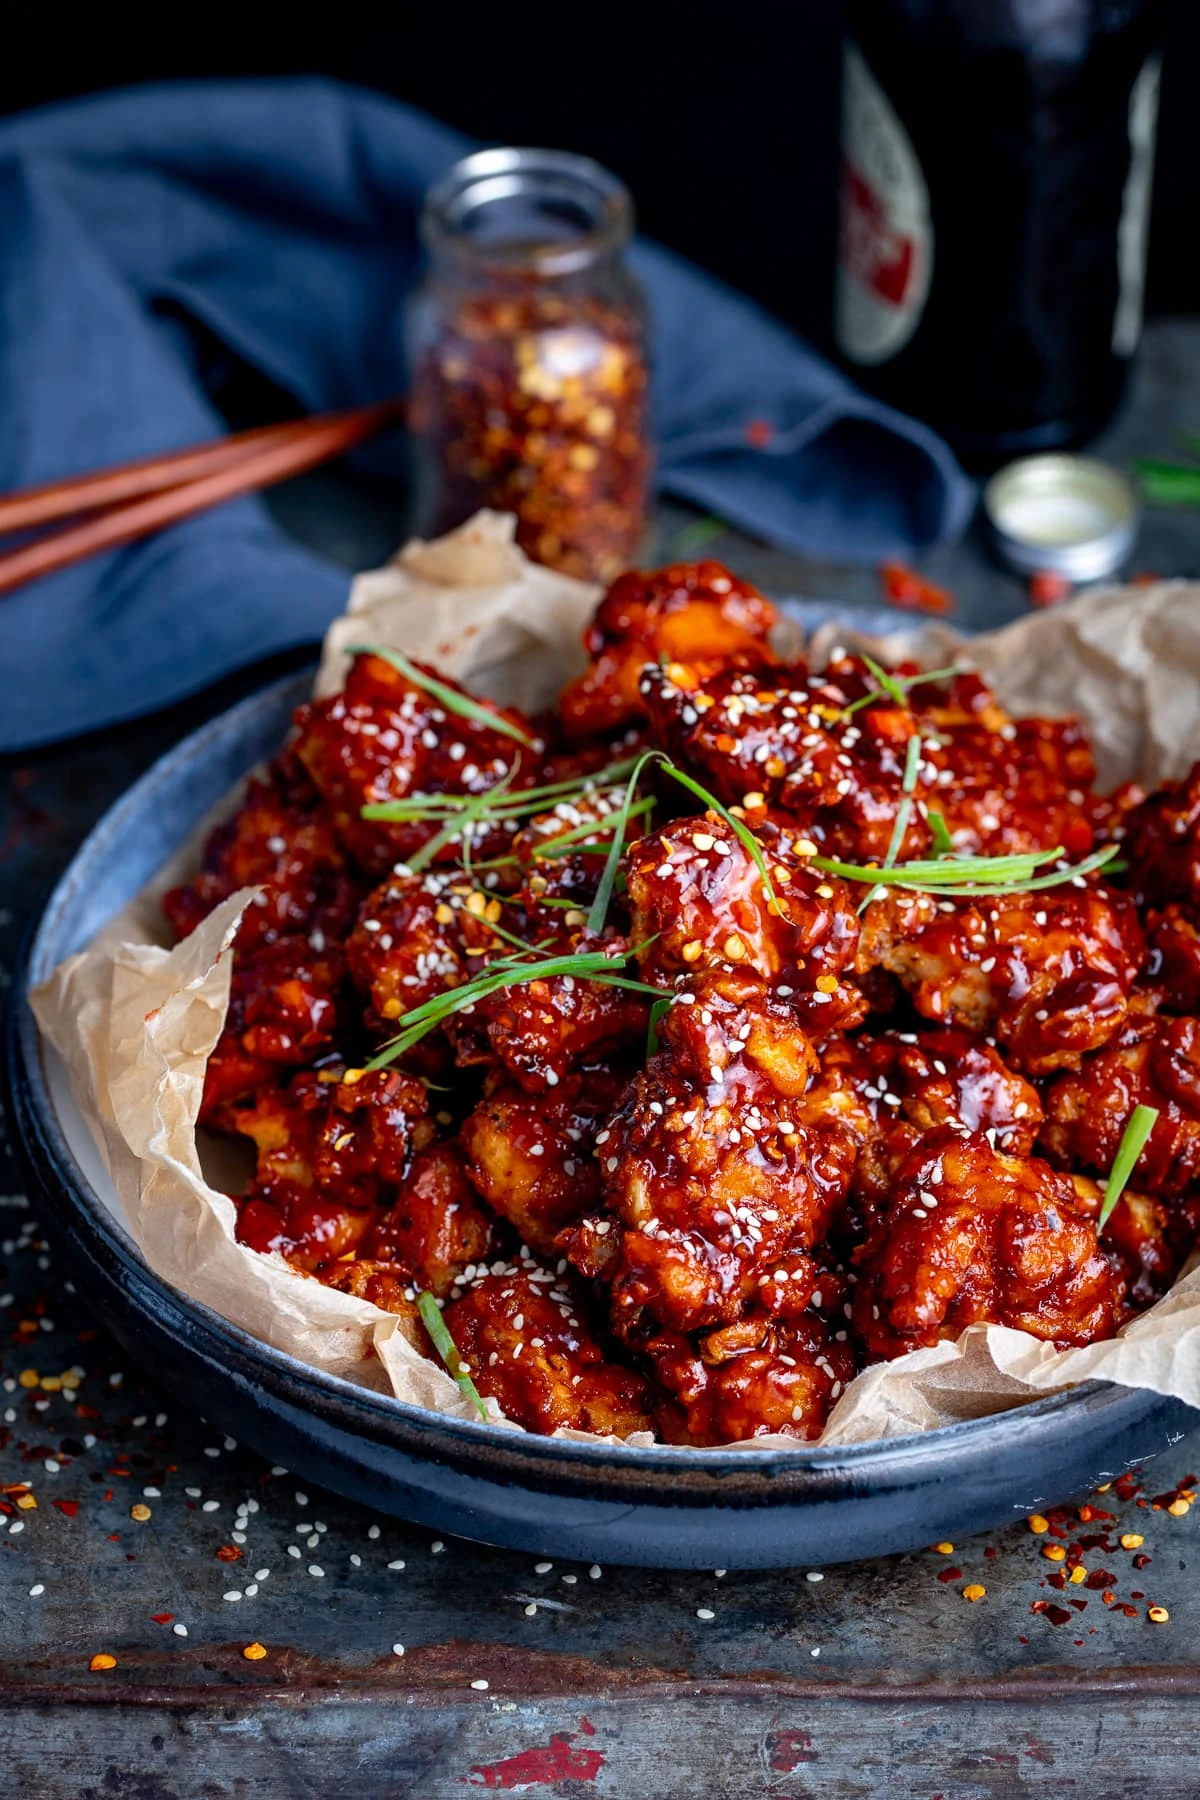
{"x": 114, "y": 1537}
{"x": 949, "y": 1574}
{"x": 1136, "y": 1594}
{"x": 758, "y": 433}
{"x": 1021, "y": 1638}
{"x": 1057, "y": 1580}
{"x": 1079, "y": 1605}
{"x": 70, "y": 1507}
{"x": 108, "y": 1493}
{"x": 229, "y": 1553}
{"x": 1099, "y": 1578}
{"x": 906, "y": 588}
{"x": 1142, "y": 1561}
{"x": 162, "y": 1618}
{"x": 1058, "y": 1615}
{"x": 1108, "y": 1596}
{"x": 1144, "y": 578}
{"x": 1047, "y": 588}
{"x": 990, "y": 1551}
{"x": 1131, "y": 1612}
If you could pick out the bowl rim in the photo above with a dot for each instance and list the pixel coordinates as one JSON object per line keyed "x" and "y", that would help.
{"x": 35, "y": 960}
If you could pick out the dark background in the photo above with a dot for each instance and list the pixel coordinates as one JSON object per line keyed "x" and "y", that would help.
{"x": 720, "y": 114}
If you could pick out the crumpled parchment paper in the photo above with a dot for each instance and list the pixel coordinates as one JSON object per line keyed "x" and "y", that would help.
{"x": 134, "y": 1021}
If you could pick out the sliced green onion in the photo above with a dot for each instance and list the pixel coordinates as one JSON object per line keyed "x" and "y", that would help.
{"x": 1142, "y": 1121}
{"x": 447, "y": 1349}
{"x": 1168, "y": 483}
{"x": 504, "y": 972}
{"x": 912, "y": 762}
{"x": 943, "y": 843}
{"x": 513, "y": 805}
{"x": 454, "y": 828}
{"x": 449, "y": 697}
{"x": 598, "y": 911}
{"x": 888, "y": 683}
{"x": 970, "y": 876}
{"x": 895, "y": 686}
{"x": 658, "y": 1010}
{"x": 684, "y": 545}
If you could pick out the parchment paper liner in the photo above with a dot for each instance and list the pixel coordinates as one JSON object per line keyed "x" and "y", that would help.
{"x": 134, "y": 1021}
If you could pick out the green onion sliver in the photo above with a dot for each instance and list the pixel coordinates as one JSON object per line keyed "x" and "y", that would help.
{"x": 1142, "y": 1121}
{"x": 447, "y": 1349}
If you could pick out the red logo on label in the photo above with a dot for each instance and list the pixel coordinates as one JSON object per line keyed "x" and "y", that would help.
{"x": 875, "y": 254}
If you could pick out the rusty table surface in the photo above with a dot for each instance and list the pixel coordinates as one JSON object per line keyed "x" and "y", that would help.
{"x": 258, "y": 1640}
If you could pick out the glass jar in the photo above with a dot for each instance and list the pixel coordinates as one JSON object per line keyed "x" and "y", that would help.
{"x": 527, "y": 351}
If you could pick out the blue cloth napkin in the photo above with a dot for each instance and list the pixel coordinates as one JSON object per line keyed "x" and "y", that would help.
{"x": 143, "y": 230}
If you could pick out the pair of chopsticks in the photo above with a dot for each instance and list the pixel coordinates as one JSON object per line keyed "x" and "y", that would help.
{"x": 115, "y": 506}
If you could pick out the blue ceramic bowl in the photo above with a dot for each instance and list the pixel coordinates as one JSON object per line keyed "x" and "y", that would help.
{"x": 666, "y": 1507}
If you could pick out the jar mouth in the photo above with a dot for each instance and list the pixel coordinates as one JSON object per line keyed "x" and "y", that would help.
{"x": 521, "y": 209}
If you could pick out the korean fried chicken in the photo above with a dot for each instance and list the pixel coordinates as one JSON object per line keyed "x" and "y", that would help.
{"x": 736, "y": 1025}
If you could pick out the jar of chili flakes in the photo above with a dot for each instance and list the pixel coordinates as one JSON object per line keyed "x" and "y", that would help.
{"x": 527, "y": 345}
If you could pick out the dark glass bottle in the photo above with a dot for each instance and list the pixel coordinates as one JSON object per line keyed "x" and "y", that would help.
{"x": 997, "y": 162}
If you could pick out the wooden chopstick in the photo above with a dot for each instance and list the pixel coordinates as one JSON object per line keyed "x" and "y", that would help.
{"x": 275, "y": 454}
{"x": 34, "y": 506}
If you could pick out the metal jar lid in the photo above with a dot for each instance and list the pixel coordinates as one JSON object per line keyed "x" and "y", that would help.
{"x": 1070, "y": 515}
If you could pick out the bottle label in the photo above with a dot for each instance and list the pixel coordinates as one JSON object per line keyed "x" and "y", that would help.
{"x": 885, "y": 257}
{"x": 1135, "y": 208}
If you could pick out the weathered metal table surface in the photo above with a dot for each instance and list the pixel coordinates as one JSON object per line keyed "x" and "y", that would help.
{"x": 394, "y": 1664}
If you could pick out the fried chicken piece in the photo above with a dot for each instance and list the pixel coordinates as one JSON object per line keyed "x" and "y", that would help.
{"x": 1161, "y": 845}
{"x": 708, "y": 1173}
{"x": 973, "y": 1236}
{"x": 542, "y": 1029}
{"x": 532, "y": 1156}
{"x": 285, "y": 1008}
{"x": 436, "y": 1228}
{"x": 523, "y": 1338}
{"x": 384, "y": 1285}
{"x": 890, "y": 1090}
{"x": 288, "y": 849}
{"x": 1172, "y": 972}
{"x": 407, "y": 946}
{"x": 1049, "y": 974}
{"x": 682, "y": 613}
{"x": 1153, "y": 1062}
{"x": 700, "y": 907}
{"x": 1148, "y": 1243}
{"x": 332, "y": 1148}
{"x": 384, "y": 738}
{"x": 755, "y": 1378}
{"x": 805, "y": 744}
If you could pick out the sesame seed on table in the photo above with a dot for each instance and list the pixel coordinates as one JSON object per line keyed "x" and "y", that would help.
{"x": 180, "y": 1618}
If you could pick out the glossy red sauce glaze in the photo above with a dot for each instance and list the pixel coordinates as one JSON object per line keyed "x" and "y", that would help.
{"x": 861, "y": 1117}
